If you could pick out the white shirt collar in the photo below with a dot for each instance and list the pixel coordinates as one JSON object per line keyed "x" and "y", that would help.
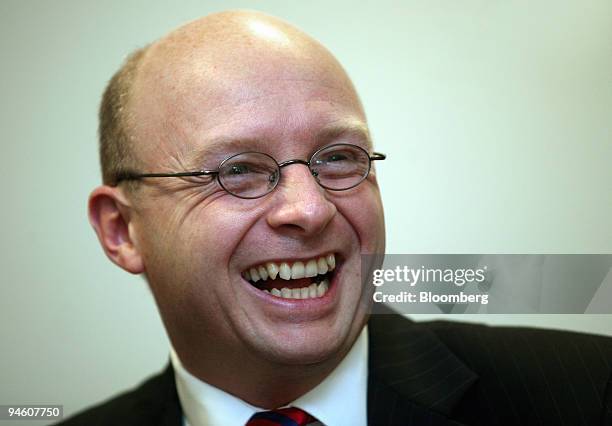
{"x": 340, "y": 399}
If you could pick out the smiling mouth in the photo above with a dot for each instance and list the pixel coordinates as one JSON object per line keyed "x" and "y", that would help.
{"x": 308, "y": 279}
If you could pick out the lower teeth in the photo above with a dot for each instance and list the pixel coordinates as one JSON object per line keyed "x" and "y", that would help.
{"x": 313, "y": 291}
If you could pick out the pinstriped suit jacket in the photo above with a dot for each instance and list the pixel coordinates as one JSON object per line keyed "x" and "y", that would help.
{"x": 441, "y": 374}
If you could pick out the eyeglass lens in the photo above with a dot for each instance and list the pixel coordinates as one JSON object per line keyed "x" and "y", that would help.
{"x": 254, "y": 174}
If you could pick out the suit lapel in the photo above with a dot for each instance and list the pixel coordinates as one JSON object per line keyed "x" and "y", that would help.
{"x": 386, "y": 406}
{"x": 414, "y": 378}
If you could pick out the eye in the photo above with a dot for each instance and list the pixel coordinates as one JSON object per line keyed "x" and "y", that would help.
{"x": 332, "y": 157}
{"x": 249, "y": 174}
{"x": 239, "y": 169}
{"x": 340, "y": 166}
{"x": 336, "y": 157}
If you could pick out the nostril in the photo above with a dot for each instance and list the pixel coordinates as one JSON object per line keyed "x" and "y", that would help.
{"x": 293, "y": 227}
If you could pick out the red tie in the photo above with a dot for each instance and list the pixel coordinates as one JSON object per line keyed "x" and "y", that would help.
{"x": 282, "y": 417}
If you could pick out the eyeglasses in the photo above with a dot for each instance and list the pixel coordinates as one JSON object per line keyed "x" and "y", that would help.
{"x": 250, "y": 175}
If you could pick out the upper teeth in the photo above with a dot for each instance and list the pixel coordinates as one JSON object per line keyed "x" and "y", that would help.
{"x": 299, "y": 269}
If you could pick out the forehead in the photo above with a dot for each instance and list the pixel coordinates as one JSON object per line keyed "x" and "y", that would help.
{"x": 259, "y": 95}
{"x": 213, "y": 151}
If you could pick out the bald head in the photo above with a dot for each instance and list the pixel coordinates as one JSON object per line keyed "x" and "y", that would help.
{"x": 231, "y": 40}
{"x": 171, "y": 86}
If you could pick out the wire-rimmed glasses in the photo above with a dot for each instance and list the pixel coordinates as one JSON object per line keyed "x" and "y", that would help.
{"x": 253, "y": 174}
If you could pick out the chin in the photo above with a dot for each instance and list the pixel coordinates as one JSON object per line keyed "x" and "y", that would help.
{"x": 304, "y": 345}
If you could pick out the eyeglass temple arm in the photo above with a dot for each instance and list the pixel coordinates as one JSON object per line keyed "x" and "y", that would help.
{"x": 136, "y": 176}
{"x": 377, "y": 156}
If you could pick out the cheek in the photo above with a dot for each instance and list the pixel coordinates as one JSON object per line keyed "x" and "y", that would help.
{"x": 183, "y": 245}
{"x": 364, "y": 212}
{"x": 212, "y": 237}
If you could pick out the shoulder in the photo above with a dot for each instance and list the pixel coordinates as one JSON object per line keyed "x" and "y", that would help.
{"x": 533, "y": 375}
{"x": 154, "y": 402}
{"x": 529, "y": 349}
{"x": 474, "y": 340}
{"x": 452, "y": 332}
{"x": 524, "y": 375}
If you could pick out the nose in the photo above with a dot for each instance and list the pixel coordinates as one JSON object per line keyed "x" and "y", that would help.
{"x": 301, "y": 204}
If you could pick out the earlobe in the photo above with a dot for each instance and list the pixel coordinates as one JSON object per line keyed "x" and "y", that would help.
{"x": 108, "y": 214}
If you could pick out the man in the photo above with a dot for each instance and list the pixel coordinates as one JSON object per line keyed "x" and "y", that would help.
{"x": 238, "y": 178}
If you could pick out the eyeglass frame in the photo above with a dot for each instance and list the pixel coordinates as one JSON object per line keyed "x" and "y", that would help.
{"x": 376, "y": 156}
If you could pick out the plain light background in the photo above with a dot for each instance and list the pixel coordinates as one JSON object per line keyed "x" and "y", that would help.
{"x": 495, "y": 115}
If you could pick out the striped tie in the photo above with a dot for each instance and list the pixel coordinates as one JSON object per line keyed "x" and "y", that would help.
{"x": 282, "y": 417}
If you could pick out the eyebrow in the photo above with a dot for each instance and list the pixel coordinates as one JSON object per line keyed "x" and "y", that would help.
{"x": 356, "y": 129}
{"x": 218, "y": 149}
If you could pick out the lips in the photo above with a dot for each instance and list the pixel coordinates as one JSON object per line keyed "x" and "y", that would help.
{"x": 302, "y": 279}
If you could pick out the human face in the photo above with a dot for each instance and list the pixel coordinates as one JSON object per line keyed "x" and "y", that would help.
{"x": 197, "y": 240}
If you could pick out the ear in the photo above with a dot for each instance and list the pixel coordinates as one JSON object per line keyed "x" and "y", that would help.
{"x": 109, "y": 216}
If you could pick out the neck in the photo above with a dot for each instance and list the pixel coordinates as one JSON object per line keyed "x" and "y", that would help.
{"x": 265, "y": 384}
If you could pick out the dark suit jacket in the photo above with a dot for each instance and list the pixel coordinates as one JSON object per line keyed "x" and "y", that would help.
{"x": 441, "y": 373}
